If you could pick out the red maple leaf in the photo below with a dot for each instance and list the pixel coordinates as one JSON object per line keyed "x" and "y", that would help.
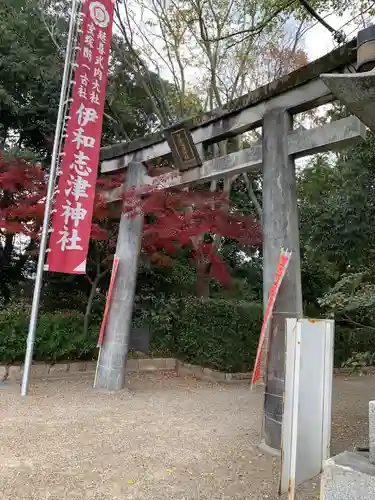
{"x": 174, "y": 219}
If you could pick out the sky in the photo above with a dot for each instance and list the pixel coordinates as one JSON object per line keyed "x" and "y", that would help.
{"x": 318, "y": 40}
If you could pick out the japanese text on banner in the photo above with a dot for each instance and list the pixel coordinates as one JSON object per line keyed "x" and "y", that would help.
{"x": 74, "y": 201}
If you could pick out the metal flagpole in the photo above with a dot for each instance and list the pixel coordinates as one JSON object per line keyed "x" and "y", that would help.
{"x": 48, "y": 205}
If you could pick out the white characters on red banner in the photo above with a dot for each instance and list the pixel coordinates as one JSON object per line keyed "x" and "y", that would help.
{"x": 78, "y": 187}
{"x": 75, "y": 213}
{"x": 98, "y": 74}
{"x": 89, "y": 41}
{"x": 91, "y": 29}
{"x": 83, "y": 140}
{"x": 68, "y": 242}
{"x": 99, "y": 61}
{"x": 82, "y": 91}
{"x": 80, "y": 164}
{"x": 87, "y": 53}
{"x": 86, "y": 115}
{"x": 74, "y": 205}
{"x": 102, "y": 36}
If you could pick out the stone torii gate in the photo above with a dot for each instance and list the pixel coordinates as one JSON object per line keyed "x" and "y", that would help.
{"x": 272, "y": 107}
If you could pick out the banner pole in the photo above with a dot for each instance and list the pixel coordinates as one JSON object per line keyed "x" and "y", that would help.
{"x": 48, "y": 205}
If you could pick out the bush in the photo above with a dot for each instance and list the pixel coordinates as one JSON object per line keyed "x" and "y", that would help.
{"x": 215, "y": 333}
{"x": 349, "y": 341}
{"x": 220, "y": 334}
{"x": 59, "y": 336}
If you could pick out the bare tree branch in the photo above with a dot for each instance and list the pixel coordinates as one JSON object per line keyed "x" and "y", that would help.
{"x": 255, "y": 30}
{"x": 42, "y": 9}
{"x": 158, "y": 106}
{"x": 252, "y": 196}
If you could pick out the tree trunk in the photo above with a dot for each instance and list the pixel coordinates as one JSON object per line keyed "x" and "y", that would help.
{"x": 6, "y": 252}
{"x": 86, "y": 322}
{"x": 203, "y": 279}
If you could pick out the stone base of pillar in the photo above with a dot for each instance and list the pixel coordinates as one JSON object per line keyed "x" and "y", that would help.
{"x": 270, "y": 451}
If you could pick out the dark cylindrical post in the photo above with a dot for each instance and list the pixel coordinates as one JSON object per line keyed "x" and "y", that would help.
{"x": 366, "y": 49}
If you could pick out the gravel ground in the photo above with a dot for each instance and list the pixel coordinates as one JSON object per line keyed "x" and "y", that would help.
{"x": 165, "y": 438}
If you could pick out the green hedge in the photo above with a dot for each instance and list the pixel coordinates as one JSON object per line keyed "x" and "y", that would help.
{"x": 216, "y": 333}
{"x": 59, "y": 336}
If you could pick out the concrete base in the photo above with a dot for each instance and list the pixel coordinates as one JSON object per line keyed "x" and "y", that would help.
{"x": 372, "y": 431}
{"x": 267, "y": 449}
{"x": 348, "y": 476}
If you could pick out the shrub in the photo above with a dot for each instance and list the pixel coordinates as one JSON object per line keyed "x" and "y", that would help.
{"x": 59, "y": 336}
{"x": 216, "y": 333}
{"x": 359, "y": 361}
{"x": 220, "y": 334}
{"x": 349, "y": 341}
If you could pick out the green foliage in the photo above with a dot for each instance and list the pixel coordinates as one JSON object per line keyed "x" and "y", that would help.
{"x": 64, "y": 292}
{"x": 33, "y": 37}
{"x": 216, "y": 333}
{"x": 30, "y": 75}
{"x": 58, "y": 338}
{"x": 349, "y": 341}
{"x": 360, "y": 360}
{"x": 336, "y": 199}
{"x": 337, "y": 212}
{"x": 32, "y": 44}
{"x": 351, "y": 301}
{"x": 129, "y": 109}
{"x": 337, "y": 243}
{"x": 220, "y": 334}
{"x": 338, "y": 209}
{"x": 352, "y": 294}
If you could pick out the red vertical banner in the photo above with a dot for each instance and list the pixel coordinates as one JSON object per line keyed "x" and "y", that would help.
{"x": 108, "y": 301}
{"x": 74, "y": 200}
{"x": 279, "y": 275}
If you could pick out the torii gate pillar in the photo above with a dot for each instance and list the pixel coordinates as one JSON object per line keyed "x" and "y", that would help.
{"x": 111, "y": 366}
{"x": 280, "y": 229}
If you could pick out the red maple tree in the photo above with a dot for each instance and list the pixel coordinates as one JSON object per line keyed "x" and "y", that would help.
{"x": 23, "y": 188}
{"x": 174, "y": 219}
